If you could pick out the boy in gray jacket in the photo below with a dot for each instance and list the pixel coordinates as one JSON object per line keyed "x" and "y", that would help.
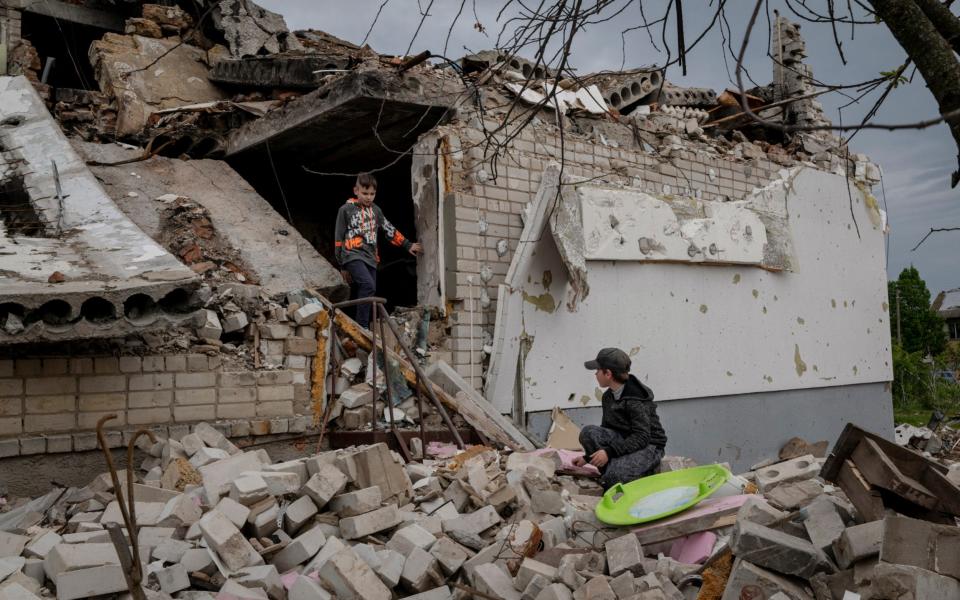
{"x": 356, "y": 242}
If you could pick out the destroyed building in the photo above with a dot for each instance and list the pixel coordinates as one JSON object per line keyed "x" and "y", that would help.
{"x": 171, "y": 180}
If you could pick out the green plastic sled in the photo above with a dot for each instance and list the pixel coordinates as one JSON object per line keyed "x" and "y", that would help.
{"x": 658, "y": 496}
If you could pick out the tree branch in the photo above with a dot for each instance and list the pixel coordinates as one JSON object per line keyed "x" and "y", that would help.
{"x": 947, "y": 23}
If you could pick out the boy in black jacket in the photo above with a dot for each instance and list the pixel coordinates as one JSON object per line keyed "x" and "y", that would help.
{"x": 356, "y": 242}
{"x": 630, "y": 440}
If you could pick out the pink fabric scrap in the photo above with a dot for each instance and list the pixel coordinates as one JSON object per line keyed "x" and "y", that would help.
{"x": 694, "y": 548}
{"x": 442, "y": 450}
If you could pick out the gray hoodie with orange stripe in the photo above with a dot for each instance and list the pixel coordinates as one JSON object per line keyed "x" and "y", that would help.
{"x": 356, "y": 233}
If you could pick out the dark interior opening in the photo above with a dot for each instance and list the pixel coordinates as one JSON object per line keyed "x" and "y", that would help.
{"x": 98, "y": 310}
{"x": 314, "y": 200}
{"x": 17, "y": 211}
{"x": 67, "y": 43}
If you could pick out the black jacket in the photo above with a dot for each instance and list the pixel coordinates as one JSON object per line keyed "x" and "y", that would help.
{"x": 634, "y": 417}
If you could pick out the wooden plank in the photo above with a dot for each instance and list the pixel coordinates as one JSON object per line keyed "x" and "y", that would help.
{"x": 946, "y": 492}
{"x": 850, "y": 438}
{"x": 865, "y": 499}
{"x": 709, "y": 514}
{"x": 318, "y": 390}
{"x": 878, "y": 470}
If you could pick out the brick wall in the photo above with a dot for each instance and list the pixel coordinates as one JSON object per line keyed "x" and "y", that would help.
{"x": 69, "y": 394}
{"x": 694, "y": 170}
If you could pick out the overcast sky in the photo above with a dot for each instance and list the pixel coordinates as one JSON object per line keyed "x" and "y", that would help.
{"x": 916, "y": 164}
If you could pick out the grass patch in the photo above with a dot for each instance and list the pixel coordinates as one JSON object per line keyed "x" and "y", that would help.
{"x": 914, "y": 414}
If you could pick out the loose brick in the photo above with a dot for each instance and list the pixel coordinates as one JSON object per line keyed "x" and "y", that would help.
{"x": 50, "y": 404}
{"x": 151, "y": 381}
{"x": 149, "y": 399}
{"x": 51, "y": 385}
{"x": 41, "y": 423}
{"x": 103, "y": 383}
{"x": 196, "y": 380}
{"x": 190, "y": 397}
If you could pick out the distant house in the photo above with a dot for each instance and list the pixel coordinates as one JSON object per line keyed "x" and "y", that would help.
{"x": 947, "y": 305}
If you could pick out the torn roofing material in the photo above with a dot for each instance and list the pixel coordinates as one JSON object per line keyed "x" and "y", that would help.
{"x": 90, "y": 272}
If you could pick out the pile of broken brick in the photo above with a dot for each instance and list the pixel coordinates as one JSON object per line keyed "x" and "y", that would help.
{"x": 214, "y": 521}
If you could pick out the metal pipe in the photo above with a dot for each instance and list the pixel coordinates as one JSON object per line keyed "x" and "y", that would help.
{"x": 348, "y": 303}
{"x": 420, "y": 376}
{"x": 414, "y": 61}
{"x": 386, "y": 373}
{"x": 373, "y": 363}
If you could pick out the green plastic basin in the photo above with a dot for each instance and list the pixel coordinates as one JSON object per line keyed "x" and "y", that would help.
{"x": 658, "y": 496}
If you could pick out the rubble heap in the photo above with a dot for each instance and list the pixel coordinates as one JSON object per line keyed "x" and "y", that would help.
{"x": 214, "y": 520}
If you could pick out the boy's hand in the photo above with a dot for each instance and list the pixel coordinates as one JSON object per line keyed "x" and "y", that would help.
{"x": 346, "y": 276}
{"x": 579, "y": 461}
{"x": 416, "y": 249}
{"x": 599, "y": 458}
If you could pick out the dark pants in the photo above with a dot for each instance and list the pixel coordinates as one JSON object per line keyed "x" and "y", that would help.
{"x": 622, "y": 469}
{"x": 364, "y": 285}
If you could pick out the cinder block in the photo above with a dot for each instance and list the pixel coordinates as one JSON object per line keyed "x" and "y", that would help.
{"x": 624, "y": 554}
{"x": 45, "y": 423}
{"x": 473, "y": 523}
{"x": 274, "y": 393}
{"x": 151, "y": 381}
{"x": 151, "y": 364}
{"x": 369, "y": 523}
{"x": 195, "y": 380}
{"x": 350, "y": 578}
{"x": 409, "y": 537}
{"x": 47, "y": 404}
{"x": 187, "y": 414}
{"x": 298, "y": 514}
{"x": 241, "y": 394}
{"x": 238, "y": 379}
{"x": 778, "y": 551}
{"x": 325, "y": 484}
{"x": 102, "y": 384}
{"x": 419, "y": 570}
{"x": 103, "y": 402}
{"x": 130, "y": 364}
{"x": 106, "y": 365}
{"x": 172, "y": 579}
{"x": 858, "y": 543}
{"x": 356, "y": 503}
{"x": 449, "y": 554}
{"x": 197, "y": 362}
{"x": 230, "y": 545}
{"x": 274, "y": 409}
{"x": 263, "y": 577}
{"x": 530, "y": 568}
{"x": 11, "y": 387}
{"x": 803, "y": 467}
{"x": 237, "y": 411}
{"x": 300, "y": 550}
{"x": 33, "y": 445}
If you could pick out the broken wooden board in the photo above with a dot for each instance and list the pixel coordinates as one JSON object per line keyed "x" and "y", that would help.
{"x": 866, "y": 499}
{"x": 479, "y": 417}
{"x": 712, "y": 513}
{"x": 879, "y": 470}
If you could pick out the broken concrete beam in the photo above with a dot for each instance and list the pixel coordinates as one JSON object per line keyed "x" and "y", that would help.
{"x": 804, "y": 467}
{"x": 624, "y": 554}
{"x": 473, "y": 523}
{"x": 350, "y": 578}
{"x": 357, "y": 503}
{"x": 369, "y": 523}
{"x": 778, "y": 551}
{"x": 326, "y": 483}
{"x": 288, "y": 72}
{"x": 227, "y": 541}
{"x": 858, "y": 543}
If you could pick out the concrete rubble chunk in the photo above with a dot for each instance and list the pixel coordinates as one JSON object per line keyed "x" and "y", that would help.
{"x": 248, "y": 489}
{"x": 537, "y": 584}
{"x": 217, "y": 476}
{"x": 171, "y": 550}
{"x": 747, "y": 578}
{"x": 757, "y": 510}
{"x": 624, "y": 554}
{"x": 87, "y": 583}
{"x": 305, "y": 588}
{"x": 205, "y": 456}
{"x": 356, "y": 503}
{"x": 449, "y": 554}
{"x": 172, "y": 579}
{"x": 555, "y": 591}
{"x": 42, "y": 544}
{"x": 530, "y": 568}
{"x": 233, "y": 510}
{"x": 264, "y": 577}
{"x": 349, "y": 578}
{"x": 791, "y": 496}
{"x": 858, "y": 543}
{"x": 179, "y": 511}
{"x": 227, "y": 541}
{"x": 473, "y": 523}
{"x": 197, "y": 560}
{"x": 823, "y": 523}
{"x": 325, "y": 484}
{"x": 299, "y": 512}
{"x": 491, "y": 579}
{"x": 307, "y": 314}
{"x": 778, "y": 551}
{"x": 439, "y": 593}
{"x": 411, "y": 536}
{"x": 331, "y": 546}
{"x": 370, "y": 523}
{"x": 419, "y": 570}
{"x": 520, "y": 461}
{"x": 234, "y": 590}
{"x": 902, "y": 581}
{"x": 391, "y": 567}
{"x": 300, "y": 550}
{"x": 12, "y": 544}
{"x": 596, "y": 588}
{"x": 280, "y": 483}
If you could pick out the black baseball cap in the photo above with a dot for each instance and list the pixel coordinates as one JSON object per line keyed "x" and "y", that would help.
{"x": 614, "y": 359}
